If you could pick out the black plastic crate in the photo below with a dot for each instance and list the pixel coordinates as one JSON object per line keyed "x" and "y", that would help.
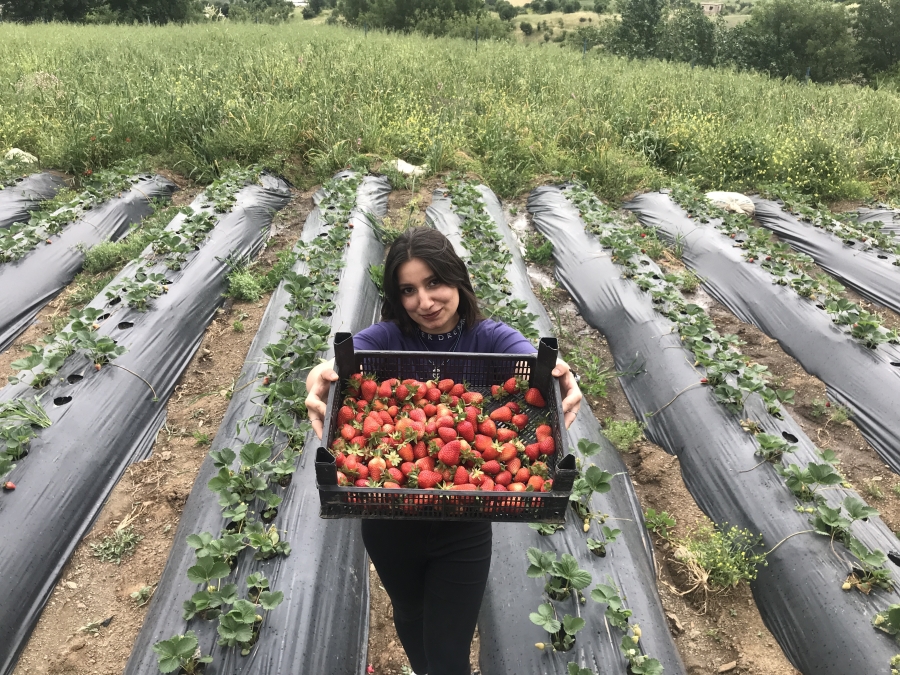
{"x": 480, "y": 371}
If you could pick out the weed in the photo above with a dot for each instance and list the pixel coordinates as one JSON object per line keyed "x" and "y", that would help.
{"x": 840, "y": 414}
{"x": 238, "y": 327}
{"x": 538, "y": 249}
{"x": 719, "y": 558}
{"x": 623, "y": 434}
{"x": 873, "y": 490}
{"x": 142, "y": 597}
{"x": 895, "y": 489}
{"x": 201, "y": 439}
{"x": 592, "y": 375}
{"x": 244, "y": 285}
{"x": 116, "y": 546}
{"x": 659, "y": 522}
{"x": 689, "y": 281}
{"x": 818, "y": 408}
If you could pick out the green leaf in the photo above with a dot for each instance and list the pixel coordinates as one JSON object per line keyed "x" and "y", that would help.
{"x": 207, "y": 569}
{"x": 597, "y": 479}
{"x": 544, "y": 618}
{"x": 270, "y": 599}
{"x": 588, "y": 448}
{"x": 572, "y": 624}
{"x": 603, "y": 594}
{"x": 858, "y": 510}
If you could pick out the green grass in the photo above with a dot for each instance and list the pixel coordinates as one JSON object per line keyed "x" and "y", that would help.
{"x": 309, "y": 99}
{"x": 623, "y": 435}
{"x": 116, "y": 546}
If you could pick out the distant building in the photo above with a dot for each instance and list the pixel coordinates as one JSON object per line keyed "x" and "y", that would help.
{"x": 711, "y": 8}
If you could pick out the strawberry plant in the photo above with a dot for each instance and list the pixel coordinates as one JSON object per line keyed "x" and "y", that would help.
{"x": 659, "y": 522}
{"x": 563, "y": 575}
{"x": 888, "y": 620}
{"x": 772, "y": 447}
{"x": 598, "y": 546}
{"x": 592, "y": 480}
{"x": 55, "y": 214}
{"x": 138, "y": 290}
{"x": 562, "y": 633}
{"x": 638, "y": 663}
{"x": 19, "y": 419}
{"x": 804, "y": 482}
{"x": 616, "y": 613}
{"x": 871, "y": 571}
{"x": 796, "y": 270}
{"x": 181, "y": 652}
{"x": 488, "y": 258}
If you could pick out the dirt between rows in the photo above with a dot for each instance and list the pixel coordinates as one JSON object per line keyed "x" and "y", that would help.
{"x": 726, "y": 636}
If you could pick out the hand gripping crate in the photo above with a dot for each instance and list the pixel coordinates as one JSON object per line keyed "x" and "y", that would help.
{"x": 480, "y": 371}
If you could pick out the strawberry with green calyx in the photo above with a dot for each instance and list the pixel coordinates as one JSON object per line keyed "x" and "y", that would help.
{"x": 476, "y": 476}
{"x": 487, "y": 427}
{"x": 368, "y": 388}
{"x": 492, "y": 452}
{"x": 384, "y": 389}
{"x": 447, "y": 434}
{"x": 507, "y": 452}
{"x": 450, "y": 453}
{"x": 534, "y": 398}
{"x": 470, "y": 414}
{"x": 466, "y": 430}
{"x": 547, "y": 446}
{"x": 497, "y": 392}
{"x": 532, "y": 451}
{"x": 482, "y": 443}
{"x": 540, "y": 469}
{"x": 520, "y": 421}
{"x": 522, "y": 475}
{"x": 427, "y": 479}
{"x": 543, "y": 430}
{"x": 342, "y": 479}
{"x": 505, "y": 435}
{"x": 402, "y": 393}
{"x": 514, "y": 407}
{"x": 395, "y": 474}
{"x": 513, "y": 385}
{"x": 457, "y": 390}
{"x": 433, "y": 395}
{"x": 420, "y": 450}
{"x": 393, "y": 459}
{"x": 407, "y": 467}
{"x": 372, "y": 424}
{"x": 491, "y": 467}
{"x": 503, "y": 478}
{"x": 405, "y": 452}
{"x": 460, "y": 476}
{"x": 514, "y": 465}
{"x": 345, "y": 415}
{"x": 501, "y": 414}
{"x": 444, "y": 386}
{"x": 472, "y": 398}
{"x": 535, "y": 483}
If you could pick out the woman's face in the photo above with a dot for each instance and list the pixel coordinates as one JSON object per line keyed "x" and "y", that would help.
{"x": 431, "y": 304}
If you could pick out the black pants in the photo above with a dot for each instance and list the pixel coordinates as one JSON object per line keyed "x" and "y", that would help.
{"x": 435, "y": 573}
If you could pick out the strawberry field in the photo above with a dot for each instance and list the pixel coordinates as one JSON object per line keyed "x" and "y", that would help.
{"x": 726, "y": 500}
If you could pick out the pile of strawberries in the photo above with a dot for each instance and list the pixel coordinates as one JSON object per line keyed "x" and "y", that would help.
{"x": 438, "y": 435}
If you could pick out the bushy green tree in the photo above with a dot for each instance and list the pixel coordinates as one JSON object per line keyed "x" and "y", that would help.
{"x": 689, "y": 36}
{"x": 877, "y": 30}
{"x": 601, "y": 6}
{"x": 263, "y": 11}
{"x": 28, "y": 11}
{"x": 154, "y": 11}
{"x": 785, "y": 37}
{"x": 526, "y": 28}
{"x": 505, "y": 10}
{"x": 640, "y": 27}
{"x": 570, "y": 6}
{"x": 403, "y": 15}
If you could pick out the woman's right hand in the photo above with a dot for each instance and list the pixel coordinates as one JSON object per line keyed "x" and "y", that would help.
{"x": 318, "y": 383}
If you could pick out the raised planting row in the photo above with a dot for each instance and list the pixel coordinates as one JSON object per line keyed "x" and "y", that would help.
{"x": 887, "y": 219}
{"x": 748, "y": 465}
{"x": 541, "y": 575}
{"x": 105, "y": 379}
{"x": 32, "y": 280}
{"x": 250, "y": 524}
{"x": 21, "y": 193}
{"x": 769, "y": 285}
{"x": 857, "y": 253}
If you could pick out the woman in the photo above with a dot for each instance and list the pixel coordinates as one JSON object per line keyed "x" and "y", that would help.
{"x": 435, "y": 572}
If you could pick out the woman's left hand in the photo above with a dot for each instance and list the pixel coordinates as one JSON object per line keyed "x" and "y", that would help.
{"x": 571, "y": 393}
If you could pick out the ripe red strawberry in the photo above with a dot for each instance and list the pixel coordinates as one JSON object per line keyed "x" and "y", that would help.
{"x": 371, "y": 425}
{"x": 548, "y": 486}
{"x": 487, "y": 484}
{"x": 522, "y": 475}
{"x": 546, "y": 445}
{"x": 348, "y": 432}
{"x": 385, "y": 417}
{"x": 501, "y": 414}
{"x": 471, "y": 415}
{"x": 396, "y": 474}
{"x": 499, "y": 488}
{"x": 9, "y": 485}
{"x": 543, "y": 431}
{"x": 497, "y": 391}
{"x": 464, "y": 486}
{"x": 425, "y": 464}
{"x": 391, "y": 484}
{"x": 384, "y": 389}
{"x": 449, "y": 454}
{"x": 446, "y": 421}
{"x": 512, "y": 405}
{"x": 514, "y": 465}
{"x": 457, "y": 389}
{"x": 361, "y": 482}
{"x": 507, "y": 452}
{"x": 492, "y": 467}
{"x": 447, "y": 434}
{"x": 433, "y": 395}
{"x": 533, "y": 397}
{"x": 461, "y": 477}
{"x": 516, "y": 487}
{"x": 342, "y": 479}
{"x": 487, "y": 427}
{"x": 362, "y": 471}
{"x": 511, "y": 386}
{"x": 505, "y": 435}
{"x": 482, "y": 443}
{"x": 503, "y": 478}
{"x": 345, "y": 415}
{"x": 532, "y": 452}
{"x": 427, "y": 479}
{"x": 540, "y": 469}
{"x": 418, "y": 415}
{"x": 368, "y": 389}
{"x": 430, "y": 409}
{"x": 445, "y": 385}
{"x": 406, "y": 467}
{"x": 406, "y": 452}
{"x": 421, "y": 450}
{"x": 492, "y": 452}
{"x": 401, "y": 393}
{"x": 520, "y": 420}
{"x": 446, "y": 473}
{"x": 361, "y": 406}
{"x": 473, "y": 398}
{"x": 476, "y": 476}
{"x": 535, "y": 483}
{"x": 466, "y": 430}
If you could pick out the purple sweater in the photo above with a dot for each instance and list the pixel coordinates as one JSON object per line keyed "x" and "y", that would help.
{"x": 487, "y": 337}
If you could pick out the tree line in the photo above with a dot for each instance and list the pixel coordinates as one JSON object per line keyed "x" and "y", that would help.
{"x": 143, "y": 11}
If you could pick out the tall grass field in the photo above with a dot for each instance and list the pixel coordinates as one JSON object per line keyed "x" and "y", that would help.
{"x": 315, "y": 98}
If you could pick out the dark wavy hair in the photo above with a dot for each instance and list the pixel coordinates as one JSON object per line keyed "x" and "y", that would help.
{"x": 436, "y": 251}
